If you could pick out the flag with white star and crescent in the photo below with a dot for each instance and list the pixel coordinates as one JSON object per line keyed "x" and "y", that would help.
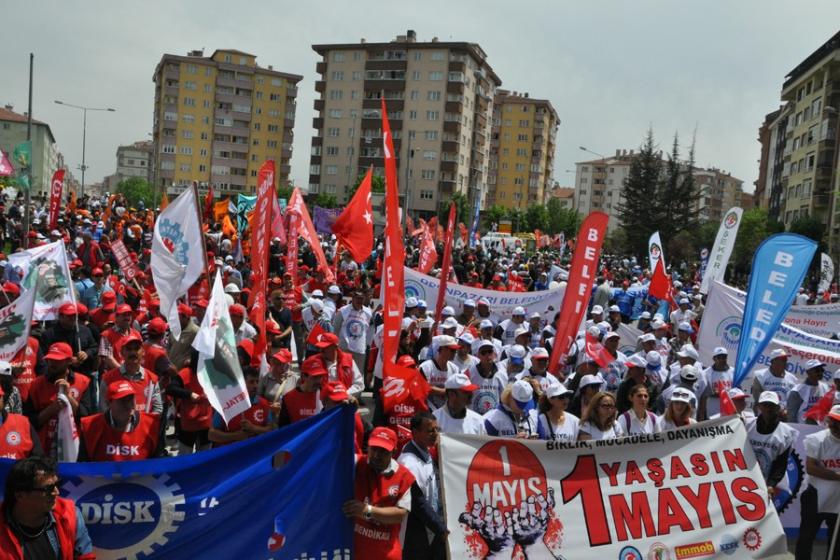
{"x": 354, "y": 227}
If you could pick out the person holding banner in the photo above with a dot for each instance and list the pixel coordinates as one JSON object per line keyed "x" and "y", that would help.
{"x": 771, "y": 439}
{"x": 600, "y": 419}
{"x": 820, "y": 502}
{"x": 251, "y": 423}
{"x": 305, "y": 400}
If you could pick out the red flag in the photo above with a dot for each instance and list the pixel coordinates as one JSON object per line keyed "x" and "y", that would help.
{"x": 660, "y": 283}
{"x": 6, "y": 167}
{"x": 462, "y": 229}
{"x": 597, "y": 351}
{"x": 354, "y": 227}
{"x": 306, "y": 229}
{"x": 314, "y": 334}
{"x": 821, "y": 408}
{"x": 423, "y": 226}
{"x": 392, "y": 273}
{"x": 259, "y": 253}
{"x": 579, "y": 287}
{"x": 208, "y": 205}
{"x": 447, "y": 262}
{"x": 439, "y": 236}
{"x": 292, "y": 244}
{"x": 428, "y": 253}
{"x": 403, "y": 383}
{"x": 433, "y": 225}
{"x": 727, "y": 407}
{"x": 56, "y": 187}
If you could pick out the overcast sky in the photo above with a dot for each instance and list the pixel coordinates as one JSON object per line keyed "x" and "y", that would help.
{"x": 611, "y": 68}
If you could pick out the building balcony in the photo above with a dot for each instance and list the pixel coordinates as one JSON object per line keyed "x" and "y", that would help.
{"x": 452, "y": 126}
{"x": 394, "y": 64}
{"x": 454, "y": 107}
{"x": 321, "y": 67}
{"x": 317, "y": 141}
{"x": 457, "y": 66}
{"x": 288, "y": 124}
{"x": 285, "y": 170}
{"x": 319, "y": 105}
{"x": 455, "y": 87}
{"x": 286, "y": 153}
{"x": 448, "y": 166}
{"x": 450, "y": 146}
{"x": 320, "y": 86}
{"x": 446, "y": 186}
{"x": 385, "y": 85}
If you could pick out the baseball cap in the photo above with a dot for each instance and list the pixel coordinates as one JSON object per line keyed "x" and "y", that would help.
{"x": 682, "y": 395}
{"x": 445, "y": 341}
{"x": 67, "y": 309}
{"x": 447, "y": 311}
{"x": 589, "y": 379}
{"x": 123, "y": 308}
{"x": 460, "y": 381}
{"x": 317, "y": 294}
{"x": 688, "y": 351}
{"x": 647, "y": 337}
{"x": 410, "y": 302}
{"x": 483, "y": 301}
{"x": 421, "y": 303}
{"x": 597, "y": 310}
{"x": 486, "y": 324}
{"x": 450, "y": 323}
{"x": 645, "y": 315}
{"x": 615, "y": 309}
{"x": 406, "y": 360}
{"x": 469, "y": 303}
{"x": 334, "y": 290}
{"x": 5, "y": 368}
{"x": 539, "y": 353}
{"x": 325, "y": 340}
{"x": 769, "y": 397}
{"x": 657, "y": 324}
{"x": 247, "y": 345}
{"x": 811, "y": 364}
{"x": 489, "y": 344}
{"x": 156, "y": 326}
{"x": 611, "y": 334}
{"x": 636, "y": 361}
{"x": 59, "y": 351}
{"x": 778, "y": 353}
{"x": 836, "y": 375}
{"x": 688, "y": 373}
{"x": 119, "y": 389}
{"x": 519, "y": 332}
{"x": 522, "y": 393}
{"x": 736, "y": 394}
{"x": 237, "y": 309}
{"x": 184, "y": 309}
{"x": 12, "y": 288}
{"x": 535, "y": 315}
{"x": 686, "y": 326}
{"x": 684, "y": 301}
{"x": 384, "y": 438}
{"x": 232, "y": 289}
{"x": 97, "y": 272}
{"x": 313, "y": 366}
{"x": 834, "y": 413}
{"x": 653, "y": 360}
{"x": 557, "y": 390}
{"x": 517, "y": 353}
{"x": 336, "y": 392}
{"x": 283, "y": 355}
{"x": 720, "y": 351}
{"x": 519, "y": 310}
{"x": 466, "y": 338}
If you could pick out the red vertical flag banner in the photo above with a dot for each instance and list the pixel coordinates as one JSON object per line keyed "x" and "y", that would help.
{"x": 447, "y": 262}
{"x": 208, "y": 205}
{"x": 306, "y": 229}
{"x": 260, "y": 235}
{"x": 579, "y": 288}
{"x": 56, "y": 188}
{"x": 292, "y": 245}
{"x": 277, "y": 228}
{"x": 392, "y": 273}
{"x": 428, "y": 253}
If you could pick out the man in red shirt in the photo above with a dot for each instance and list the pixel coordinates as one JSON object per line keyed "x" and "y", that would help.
{"x": 253, "y": 422}
{"x": 121, "y": 433}
{"x": 113, "y": 337}
{"x": 382, "y": 499}
{"x": 145, "y": 383}
{"x": 18, "y": 439}
{"x": 304, "y": 400}
{"x": 155, "y": 358}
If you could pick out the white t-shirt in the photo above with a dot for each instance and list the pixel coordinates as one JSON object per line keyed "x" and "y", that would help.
{"x": 631, "y": 425}
{"x": 768, "y": 447}
{"x": 567, "y": 431}
{"x": 502, "y": 423}
{"x": 667, "y": 425}
{"x": 437, "y": 378}
{"x": 715, "y": 381}
{"x": 464, "y": 365}
{"x": 596, "y": 433}
{"x": 825, "y": 448}
{"x": 354, "y": 328}
{"x": 779, "y": 385}
{"x": 471, "y": 424}
{"x": 489, "y": 392}
{"x": 810, "y": 394}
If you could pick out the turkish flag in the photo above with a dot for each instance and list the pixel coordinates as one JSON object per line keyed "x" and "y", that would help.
{"x": 820, "y": 410}
{"x": 727, "y": 407}
{"x": 660, "y": 283}
{"x": 403, "y": 384}
{"x": 354, "y": 227}
{"x": 597, "y": 351}
{"x": 314, "y": 334}
{"x": 56, "y": 187}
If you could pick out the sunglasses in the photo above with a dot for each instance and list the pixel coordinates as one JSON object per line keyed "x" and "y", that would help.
{"x": 48, "y": 489}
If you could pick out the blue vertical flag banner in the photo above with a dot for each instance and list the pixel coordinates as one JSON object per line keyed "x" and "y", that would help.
{"x": 275, "y": 496}
{"x": 779, "y": 267}
{"x": 474, "y": 225}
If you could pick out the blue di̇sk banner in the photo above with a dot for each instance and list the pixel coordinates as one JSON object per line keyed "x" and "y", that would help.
{"x": 288, "y": 485}
{"x": 779, "y": 267}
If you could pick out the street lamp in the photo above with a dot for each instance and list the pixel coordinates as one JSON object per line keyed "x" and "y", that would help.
{"x": 591, "y": 152}
{"x": 84, "y": 134}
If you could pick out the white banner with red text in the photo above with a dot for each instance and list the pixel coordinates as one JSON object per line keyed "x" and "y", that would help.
{"x": 695, "y": 492}
{"x": 502, "y": 304}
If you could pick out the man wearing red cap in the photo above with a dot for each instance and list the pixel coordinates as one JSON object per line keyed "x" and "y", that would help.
{"x": 100, "y": 315}
{"x": 242, "y": 328}
{"x": 253, "y": 422}
{"x": 113, "y": 337}
{"x": 145, "y": 383}
{"x": 335, "y": 394}
{"x": 77, "y": 336}
{"x": 18, "y": 439}
{"x": 155, "y": 358}
{"x": 121, "y": 433}
{"x": 44, "y": 405}
{"x": 180, "y": 350}
{"x": 279, "y": 380}
{"x": 304, "y": 400}
{"x": 194, "y": 413}
{"x": 382, "y": 499}
{"x": 340, "y": 365}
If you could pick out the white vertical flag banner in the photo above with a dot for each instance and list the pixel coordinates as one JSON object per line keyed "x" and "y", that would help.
{"x": 826, "y": 272}
{"x": 722, "y": 249}
{"x": 177, "y": 255}
{"x": 44, "y": 270}
{"x": 219, "y": 372}
{"x": 15, "y": 323}
{"x": 654, "y": 251}
{"x": 68, "y": 435}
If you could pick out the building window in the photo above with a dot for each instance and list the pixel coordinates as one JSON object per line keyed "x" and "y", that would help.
{"x": 418, "y": 55}
{"x": 427, "y": 195}
{"x": 273, "y": 128}
{"x": 190, "y": 85}
{"x": 332, "y": 150}
{"x": 187, "y": 134}
{"x": 521, "y": 152}
{"x": 189, "y": 102}
{"x": 432, "y": 115}
{"x": 436, "y": 76}
{"x": 332, "y": 170}
{"x": 428, "y": 174}
{"x": 167, "y": 149}
{"x": 335, "y": 94}
{"x": 333, "y": 132}
{"x": 414, "y": 95}
{"x": 357, "y": 76}
{"x": 525, "y": 123}
{"x": 315, "y": 169}
{"x": 338, "y": 75}
{"x": 522, "y": 137}
{"x": 415, "y": 75}
{"x": 431, "y": 135}
{"x": 438, "y": 55}
{"x": 433, "y": 96}
{"x": 186, "y": 167}
{"x": 335, "y": 113}
{"x": 188, "y": 118}
{"x": 271, "y": 144}
{"x": 430, "y": 155}
{"x": 185, "y": 150}
{"x": 412, "y": 115}
{"x": 338, "y": 57}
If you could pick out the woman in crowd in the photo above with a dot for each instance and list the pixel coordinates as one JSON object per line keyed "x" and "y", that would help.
{"x": 600, "y": 419}
{"x": 553, "y": 421}
{"x": 678, "y": 413}
{"x": 639, "y": 420}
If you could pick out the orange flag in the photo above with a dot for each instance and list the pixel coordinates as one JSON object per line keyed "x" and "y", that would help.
{"x": 164, "y": 201}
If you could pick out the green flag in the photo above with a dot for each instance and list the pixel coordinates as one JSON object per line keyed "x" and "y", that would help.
{"x": 23, "y": 159}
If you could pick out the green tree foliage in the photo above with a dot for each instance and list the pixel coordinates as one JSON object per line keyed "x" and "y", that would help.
{"x": 517, "y": 219}
{"x": 755, "y": 227}
{"x": 560, "y": 219}
{"x": 285, "y": 191}
{"x": 641, "y": 213}
{"x": 812, "y": 228}
{"x": 462, "y": 211}
{"x": 377, "y": 185}
{"x": 493, "y": 215}
{"x": 325, "y": 200}
{"x": 536, "y": 217}
{"x": 136, "y": 189}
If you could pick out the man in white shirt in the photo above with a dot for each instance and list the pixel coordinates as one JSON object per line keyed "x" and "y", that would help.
{"x": 440, "y": 368}
{"x": 775, "y": 378}
{"x": 808, "y": 393}
{"x": 455, "y": 416}
{"x": 351, "y": 324}
{"x": 820, "y": 502}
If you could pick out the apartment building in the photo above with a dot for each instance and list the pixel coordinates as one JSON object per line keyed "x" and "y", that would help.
{"x": 45, "y": 155}
{"x": 218, "y": 118}
{"x": 439, "y": 98}
{"x": 522, "y": 150}
{"x": 719, "y": 191}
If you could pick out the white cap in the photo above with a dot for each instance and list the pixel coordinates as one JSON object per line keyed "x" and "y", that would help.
{"x": 410, "y": 302}
{"x": 811, "y": 364}
{"x": 517, "y": 351}
{"x": 519, "y": 310}
{"x": 688, "y": 351}
{"x": 615, "y": 309}
{"x": 482, "y": 301}
{"x": 450, "y": 323}
{"x": 647, "y": 337}
{"x": 467, "y": 338}
{"x": 5, "y": 368}
{"x": 469, "y": 303}
{"x": 611, "y": 334}
{"x": 834, "y": 413}
{"x": 557, "y": 390}
{"x": 594, "y": 331}
{"x": 597, "y": 310}
{"x": 422, "y": 303}
{"x": 484, "y": 343}
{"x": 427, "y": 323}
{"x": 635, "y": 361}
{"x": 519, "y": 332}
{"x": 645, "y": 315}
{"x": 720, "y": 351}
{"x": 334, "y": 290}
{"x": 316, "y": 304}
{"x": 778, "y": 353}
{"x": 682, "y": 395}
{"x": 539, "y": 353}
{"x": 445, "y": 341}
{"x": 317, "y": 294}
{"x": 447, "y": 311}
{"x": 769, "y": 397}
{"x": 686, "y": 326}
{"x": 836, "y": 376}
{"x": 550, "y": 330}
{"x": 657, "y": 324}
{"x": 590, "y": 379}
{"x": 684, "y": 301}
{"x": 688, "y": 373}
{"x": 534, "y": 315}
{"x": 228, "y": 258}
{"x": 653, "y": 359}
{"x": 232, "y": 289}
{"x": 486, "y": 324}
{"x": 461, "y": 382}
{"x": 522, "y": 391}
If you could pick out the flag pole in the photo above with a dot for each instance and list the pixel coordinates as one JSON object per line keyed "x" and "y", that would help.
{"x": 201, "y": 230}
{"x": 27, "y": 194}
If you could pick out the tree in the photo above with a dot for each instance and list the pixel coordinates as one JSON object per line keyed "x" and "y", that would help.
{"x": 377, "y": 185}
{"x": 493, "y": 215}
{"x": 812, "y": 228}
{"x": 640, "y": 211}
{"x": 755, "y": 227}
{"x": 135, "y": 189}
{"x": 285, "y": 192}
{"x": 517, "y": 219}
{"x": 325, "y": 200}
{"x": 536, "y": 217}
{"x": 560, "y": 219}
{"x": 462, "y": 211}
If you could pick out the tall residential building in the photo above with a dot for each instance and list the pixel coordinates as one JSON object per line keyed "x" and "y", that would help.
{"x": 218, "y": 118}
{"x": 440, "y": 105}
{"x": 133, "y": 160}
{"x": 599, "y": 184}
{"x": 45, "y": 155}
{"x": 522, "y": 150}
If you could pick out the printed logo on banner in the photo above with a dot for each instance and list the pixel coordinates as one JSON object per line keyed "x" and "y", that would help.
{"x": 174, "y": 240}
{"x": 504, "y": 479}
{"x": 730, "y": 220}
{"x": 414, "y": 289}
{"x": 655, "y": 251}
{"x": 52, "y": 283}
{"x": 788, "y": 490}
{"x": 752, "y": 539}
{"x": 728, "y": 544}
{"x": 704, "y": 253}
{"x": 150, "y": 502}
{"x": 629, "y": 553}
{"x": 694, "y": 550}
{"x": 658, "y": 551}
{"x": 729, "y": 330}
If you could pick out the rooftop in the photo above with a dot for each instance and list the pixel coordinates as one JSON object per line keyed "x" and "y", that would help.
{"x": 823, "y": 51}
{"x": 8, "y": 115}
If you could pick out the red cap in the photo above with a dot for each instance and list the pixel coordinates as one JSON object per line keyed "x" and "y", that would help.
{"x": 119, "y": 389}
{"x": 202, "y": 303}
{"x": 384, "y": 438}
{"x": 314, "y": 366}
{"x": 406, "y": 361}
{"x": 67, "y": 309}
{"x": 59, "y": 351}
{"x": 283, "y": 356}
{"x": 11, "y": 288}
{"x": 96, "y": 271}
{"x": 154, "y": 303}
{"x": 325, "y": 340}
{"x": 109, "y": 297}
{"x": 124, "y": 308}
{"x": 132, "y": 336}
{"x": 272, "y": 327}
{"x": 336, "y": 391}
{"x": 184, "y": 309}
{"x": 247, "y": 345}
{"x": 237, "y": 309}
{"x": 157, "y": 326}
{"x": 81, "y": 309}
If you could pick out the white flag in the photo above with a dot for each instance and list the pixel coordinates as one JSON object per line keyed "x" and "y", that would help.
{"x": 826, "y": 272}
{"x": 219, "y": 372}
{"x": 45, "y": 271}
{"x": 68, "y": 435}
{"x": 655, "y": 252}
{"x": 15, "y": 322}
{"x": 722, "y": 249}
{"x": 177, "y": 255}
